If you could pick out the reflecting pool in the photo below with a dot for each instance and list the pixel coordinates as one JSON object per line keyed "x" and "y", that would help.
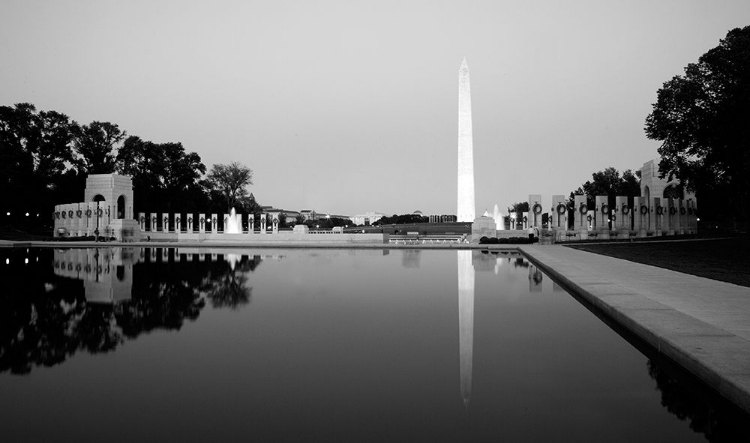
{"x": 156, "y": 344}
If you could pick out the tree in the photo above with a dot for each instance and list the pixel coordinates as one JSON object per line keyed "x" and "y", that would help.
{"x": 94, "y": 146}
{"x": 165, "y": 177}
{"x": 34, "y": 150}
{"x": 702, "y": 118}
{"x": 609, "y": 182}
{"x": 231, "y": 181}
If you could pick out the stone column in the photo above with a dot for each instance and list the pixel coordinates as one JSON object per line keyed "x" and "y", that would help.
{"x": 65, "y": 218}
{"x": 559, "y": 213}
{"x": 214, "y": 223}
{"x": 177, "y": 222}
{"x": 190, "y": 226}
{"x": 142, "y": 221}
{"x": 73, "y": 219}
{"x": 202, "y": 223}
{"x": 251, "y": 223}
{"x": 601, "y": 211}
{"x": 56, "y": 217}
{"x": 681, "y": 215}
{"x": 671, "y": 216}
{"x": 579, "y": 216}
{"x": 88, "y": 215}
{"x": 640, "y": 215}
{"x": 165, "y": 222}
{"x": 535, "y": 211}
{"x": 275, "y": 225}
{"x": 262, "y": 223}
{"x": 226, "y": 223}
{"x": 525, "y": 218}
{"x": 624, "y": 214}
{"x": 657, "y": 216}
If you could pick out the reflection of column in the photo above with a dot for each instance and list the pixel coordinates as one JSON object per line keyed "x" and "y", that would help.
{"x": 535, "y": 279}
{"x": 465, "y": 321}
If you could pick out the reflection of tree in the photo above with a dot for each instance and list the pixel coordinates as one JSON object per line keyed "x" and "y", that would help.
{"x": 45, "y": 319}
{"x": 226, "y": 287}
{"x": 717, "y": 425}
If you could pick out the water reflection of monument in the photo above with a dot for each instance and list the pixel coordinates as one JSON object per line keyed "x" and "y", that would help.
{"x": 465, "y": 321}
{"x": 469, "y": 263}
{"x": 107, "y": 273}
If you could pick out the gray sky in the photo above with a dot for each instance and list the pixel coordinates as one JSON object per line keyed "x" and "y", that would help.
{"x": 351, "y": 106}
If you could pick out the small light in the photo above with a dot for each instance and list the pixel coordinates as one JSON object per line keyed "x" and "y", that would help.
{"x": 8, "y": 214}
{"x": 26, "y": 261}
{"x": 7, "y": 261}
{"x": 27, "y": 214}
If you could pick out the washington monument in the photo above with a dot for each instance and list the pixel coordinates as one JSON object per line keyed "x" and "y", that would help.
{"x": 465, "y": 206}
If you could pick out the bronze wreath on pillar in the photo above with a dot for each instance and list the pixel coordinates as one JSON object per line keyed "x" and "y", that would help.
{"x": 57, "y": 214}
{"x": 605, "y": 208}
{"x": 583, "y": 208}
{"x": 625, "y": 209}
{"x": 88, "y": 213}
{"x": 682, "y": 211}
{"x": 64, "y": 214}
{"x": 79, "y": 213}
{"x": 202, "y": 221}
{"x": 613, "y": 217}
{"x": 588, "y": 218}
{"x": 537, "y": 208}
{"x": 644, "y": 209}
{"x": 525, "y": 219}
{"x": 659, "y": 210}
{"x": 99, "y": 212}
{"x": 70, "y": 213}
{"x": 672, "y": 211}
{"x": 561, "y": 209}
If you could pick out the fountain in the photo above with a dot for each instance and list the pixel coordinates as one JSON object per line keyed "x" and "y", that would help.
{"x": 233, "y": 223}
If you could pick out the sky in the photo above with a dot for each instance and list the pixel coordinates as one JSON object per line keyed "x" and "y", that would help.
{"x": 350, "y": 106}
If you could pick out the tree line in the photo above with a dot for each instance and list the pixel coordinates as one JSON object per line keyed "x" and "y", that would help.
{"x": 45, "y": 157}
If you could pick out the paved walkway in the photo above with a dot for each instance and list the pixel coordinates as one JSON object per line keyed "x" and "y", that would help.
{"x": 702, "y": 324}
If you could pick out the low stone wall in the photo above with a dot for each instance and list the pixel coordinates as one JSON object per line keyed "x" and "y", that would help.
{"x": 281, "y": 237}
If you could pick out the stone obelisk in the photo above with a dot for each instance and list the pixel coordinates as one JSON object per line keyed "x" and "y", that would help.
{"x": 465, "y": 207}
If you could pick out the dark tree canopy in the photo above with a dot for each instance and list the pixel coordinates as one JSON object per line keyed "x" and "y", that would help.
{"x": 95, "y": 147}
{"x": 702, "y": 119}
{"x": 231, "y": 181}
{"x": 165, "y": 177}
{"x": 609, "y": 182}
{"x": 34, "y": 149}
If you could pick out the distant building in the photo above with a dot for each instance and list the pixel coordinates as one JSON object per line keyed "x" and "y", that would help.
{"x": 367, "y": 218}
{"x": 275, "y": 213}
{"x": 443, "y": 219}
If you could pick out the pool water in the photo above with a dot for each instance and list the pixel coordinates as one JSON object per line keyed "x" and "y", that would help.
{"x": 156, "y": 344}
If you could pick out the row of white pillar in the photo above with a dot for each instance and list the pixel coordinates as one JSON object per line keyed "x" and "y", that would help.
{"x": 655, "y": 216}
{"x": 202, "y": 223}
{"x": 82, "y": 219}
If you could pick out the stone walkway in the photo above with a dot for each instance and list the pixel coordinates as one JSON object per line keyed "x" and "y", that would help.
{"x": 702, "y": 324}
